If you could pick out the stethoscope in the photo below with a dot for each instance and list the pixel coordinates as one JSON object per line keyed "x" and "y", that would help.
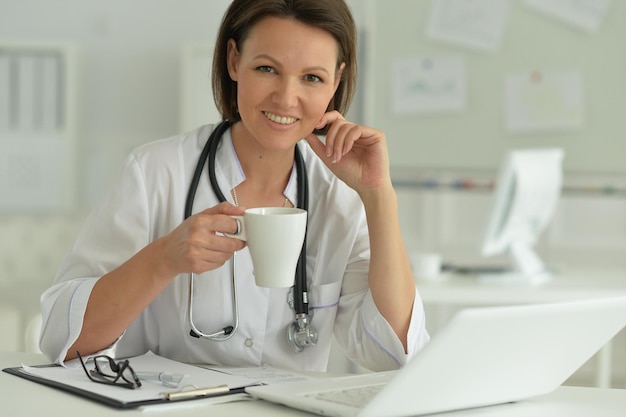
{"x": 301, "y": 333}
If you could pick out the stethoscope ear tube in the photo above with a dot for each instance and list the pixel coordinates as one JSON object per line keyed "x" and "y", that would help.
{"x": 209, "y": 148}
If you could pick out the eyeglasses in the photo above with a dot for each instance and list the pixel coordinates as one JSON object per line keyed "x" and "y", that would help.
{"x": 108, "y": 371}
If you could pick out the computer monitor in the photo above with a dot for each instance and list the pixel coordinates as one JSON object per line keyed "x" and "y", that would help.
{"x": 526, "y": 194}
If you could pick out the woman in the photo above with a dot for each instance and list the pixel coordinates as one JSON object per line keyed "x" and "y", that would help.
{"x": 282, "y": 70}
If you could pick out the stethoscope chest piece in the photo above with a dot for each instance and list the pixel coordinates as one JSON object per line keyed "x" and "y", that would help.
{"x": 301, "y": 333}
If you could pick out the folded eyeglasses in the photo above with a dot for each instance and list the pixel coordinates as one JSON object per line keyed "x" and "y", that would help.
{"x": 108, "y": 371}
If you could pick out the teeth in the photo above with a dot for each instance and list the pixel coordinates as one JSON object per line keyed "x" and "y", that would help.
{"x": 282, "y": 120}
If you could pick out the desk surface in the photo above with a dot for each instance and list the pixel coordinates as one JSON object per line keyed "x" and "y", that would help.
{"x": 21, "y": 397}
{"x": 568, "y": 283}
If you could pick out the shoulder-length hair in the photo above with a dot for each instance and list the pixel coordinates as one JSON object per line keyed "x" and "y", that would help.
{"x": 333, "y": 16}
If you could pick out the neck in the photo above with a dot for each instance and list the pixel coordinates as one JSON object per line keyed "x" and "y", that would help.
{"x": 267, "y": 172}
{"x": 262, "y": 168}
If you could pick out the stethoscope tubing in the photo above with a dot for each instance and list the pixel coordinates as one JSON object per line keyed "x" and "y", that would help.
{"x": 300, "y": 300}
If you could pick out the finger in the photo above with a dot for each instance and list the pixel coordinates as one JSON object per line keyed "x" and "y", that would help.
{"x": 224, "y": 208}
{"x": 334, "y": 140}
{"x": 225, "y": 224}
{"x": 204, "y": 224}
{"x": 351, "y": 133}
{"x": 342, "y": 138}
{"x": 228, "y": 245}
{"x": 329, "y": 117}
{"x": 202, "y": 259}
{"x": 318, "y": 147}
{"x": 215, "y": 249}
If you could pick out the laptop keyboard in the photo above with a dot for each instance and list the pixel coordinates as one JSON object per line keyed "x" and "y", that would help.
{"x": 354, "y": 397}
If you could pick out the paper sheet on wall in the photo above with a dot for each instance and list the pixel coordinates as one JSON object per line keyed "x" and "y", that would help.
{"x": 544, "y": 102}
{"x": 478, "y": 24}
{"x": 429, "y": 84}
{"x": 585, "y": 14}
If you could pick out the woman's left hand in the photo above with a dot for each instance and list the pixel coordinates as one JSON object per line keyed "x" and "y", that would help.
{"x": 356, "y": 154}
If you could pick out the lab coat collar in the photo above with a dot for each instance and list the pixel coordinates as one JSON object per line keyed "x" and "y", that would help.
{"x": 228, "y": 170}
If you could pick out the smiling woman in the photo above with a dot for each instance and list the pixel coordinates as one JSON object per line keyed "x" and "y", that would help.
{"x": 283, "y": 70}
{"x": 281, "y": 95}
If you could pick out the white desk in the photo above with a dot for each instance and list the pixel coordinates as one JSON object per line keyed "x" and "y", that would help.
{"x": 568, "y": 284}
{"x": 21, "y": 397}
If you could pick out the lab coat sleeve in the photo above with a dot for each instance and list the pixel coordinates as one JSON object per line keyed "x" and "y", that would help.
{"x": 366, "y": 336}
{"x": 375, "y": 344}
{"x": 114, "y": 231}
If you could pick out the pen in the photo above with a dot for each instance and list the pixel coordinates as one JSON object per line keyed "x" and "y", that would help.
{"x": 197, "y": 392}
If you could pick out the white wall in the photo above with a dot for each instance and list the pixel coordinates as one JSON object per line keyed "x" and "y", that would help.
{"x": 476, "y": 138}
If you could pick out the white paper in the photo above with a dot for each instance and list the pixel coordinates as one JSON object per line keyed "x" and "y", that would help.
{"x": 544, "y": 101}
{"x": 200, "y": 377}
{"x": 429, "y": 84}
{"x": 478, "y": 24}
{"x": 265, "y": 374}
{"x": 585, "y": 14}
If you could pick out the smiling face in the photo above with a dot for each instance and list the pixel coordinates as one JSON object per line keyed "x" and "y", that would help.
{"x": 286, "y": 74}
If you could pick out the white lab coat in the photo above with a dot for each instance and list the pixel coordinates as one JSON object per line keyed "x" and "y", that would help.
{"x": 148, "y": 202}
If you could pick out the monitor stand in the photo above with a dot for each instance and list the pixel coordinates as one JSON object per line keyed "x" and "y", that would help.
{"x": 527, "y": 269}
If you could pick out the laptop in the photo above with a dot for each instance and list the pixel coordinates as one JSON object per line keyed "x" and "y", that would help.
{"x": 483, "y": 356}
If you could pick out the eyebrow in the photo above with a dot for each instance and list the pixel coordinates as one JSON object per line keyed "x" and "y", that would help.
{"x": 276, "y": 62}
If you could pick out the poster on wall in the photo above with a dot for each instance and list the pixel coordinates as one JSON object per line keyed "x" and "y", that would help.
{"x": 584, "y": 14}
{"x": 544, "y": 102}
{"x": 477, "y": 24}
{"x": 429, "y": 84}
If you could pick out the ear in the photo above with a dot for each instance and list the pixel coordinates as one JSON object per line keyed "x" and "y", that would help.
{"x": 339, "y": 74}
{"x": 232, "y": 58}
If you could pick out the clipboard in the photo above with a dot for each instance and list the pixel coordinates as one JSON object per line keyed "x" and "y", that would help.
{"x": 201, "y": 385}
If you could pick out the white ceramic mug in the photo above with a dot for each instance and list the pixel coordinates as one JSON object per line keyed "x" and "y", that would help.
{"x": 426, "y": 265}
{"x": 275, "y": 236}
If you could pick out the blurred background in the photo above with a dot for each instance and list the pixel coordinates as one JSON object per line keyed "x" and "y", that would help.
{"x": 453, "y": 84}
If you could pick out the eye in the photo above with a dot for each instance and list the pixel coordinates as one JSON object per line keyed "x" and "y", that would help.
{"x": 265, "y": 68}
{"x": 313, "y": 78}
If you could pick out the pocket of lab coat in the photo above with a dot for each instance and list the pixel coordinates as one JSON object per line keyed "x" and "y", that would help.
{"x": 324, "y": 296}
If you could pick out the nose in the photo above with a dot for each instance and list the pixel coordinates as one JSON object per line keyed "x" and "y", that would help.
{"x": 287, "y": 93}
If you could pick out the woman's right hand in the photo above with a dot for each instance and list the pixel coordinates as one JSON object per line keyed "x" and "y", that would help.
{"x": 198, "y": 245}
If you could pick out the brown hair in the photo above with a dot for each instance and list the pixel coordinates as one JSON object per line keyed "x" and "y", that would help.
{"x": 331, "y": 15}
